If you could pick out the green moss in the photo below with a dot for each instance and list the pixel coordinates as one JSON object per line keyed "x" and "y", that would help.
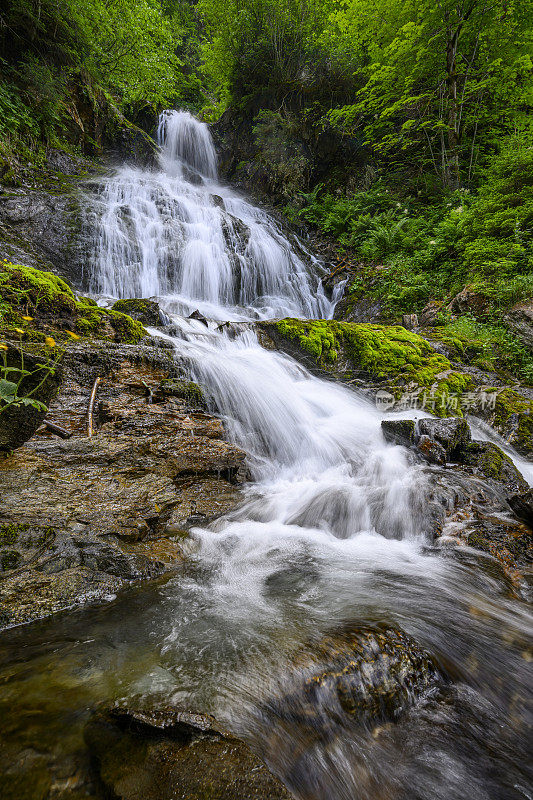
{"x": 95, "y": 320}
{"x": 382, "y": 351}
{"x": 185, "y": 390}
{"x": 27, "y": 289}
{"x": 9, "y": 533}
{"x": 316, "y": 337}
{"x": 132, "y": 306}
{"x": 126, "y": 329}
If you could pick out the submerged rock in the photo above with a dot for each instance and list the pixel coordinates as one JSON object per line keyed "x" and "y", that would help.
{"x": 522, "y": 505}
{"x": 166, "y": 753}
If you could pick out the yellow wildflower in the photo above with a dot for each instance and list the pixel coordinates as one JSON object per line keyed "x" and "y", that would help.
{"x": 20, "y": 330}
{"x": 49, "y": 342}
{"x": 72, "y": 334}
{"x": 27, "y": 319}
{"x": 3, "y": 346}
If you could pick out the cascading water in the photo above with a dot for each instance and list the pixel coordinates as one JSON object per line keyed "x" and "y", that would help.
{"x": 332, "y": 531}
{"x": 176, "y": 232}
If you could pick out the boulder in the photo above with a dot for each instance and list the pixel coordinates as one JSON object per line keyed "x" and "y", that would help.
{"x": 399, "y": 431}
{"x": 468, "y": 301}
{"x": 145, "y": 311}
{"x": 519, "y": 319}
{"x": 431, "y": 450}
{"x": 410, "y": 321}
{"x": 431, "y": 314}
{"x": 19, "y": 421}
{"x": 452, "y": 433}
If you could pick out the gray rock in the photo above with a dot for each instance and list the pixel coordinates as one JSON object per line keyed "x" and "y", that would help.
{"x": 410, "y": 321}
{"x": 399, "y": 431}
{"x": 520, "y": 320}
{"x": 453, "y": 433}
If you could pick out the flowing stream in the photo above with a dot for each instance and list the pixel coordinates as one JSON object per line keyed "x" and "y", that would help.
{"x": 334, "y": 529}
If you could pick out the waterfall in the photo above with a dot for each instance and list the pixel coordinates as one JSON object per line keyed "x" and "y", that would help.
{"x": 176, "y": 233}
{"x": 332, "y": 530}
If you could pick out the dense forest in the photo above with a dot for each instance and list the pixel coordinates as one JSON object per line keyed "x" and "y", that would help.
{"x": 402, "y": 132}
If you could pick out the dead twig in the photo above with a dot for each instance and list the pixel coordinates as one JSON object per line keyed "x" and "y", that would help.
{"x": 51, "y": 426}
{"x": 90, "y": 407}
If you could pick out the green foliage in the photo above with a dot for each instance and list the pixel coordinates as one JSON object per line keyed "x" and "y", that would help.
{"x": 12, "y": 392}
{"x": 486, "y": 345}
{"x": 67, "y": 65}
{"x": 429, "y": 248}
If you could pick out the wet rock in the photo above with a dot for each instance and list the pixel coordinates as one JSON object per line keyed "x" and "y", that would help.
{"x": 162, "y": 754}
{"x": 43, "y": 229}
{"x": 348, "y": 682}
{"x": 145, "y": 311}
{"x": 188, "y": 391}
{"x": 476, "y": 514}
{"x": 200, "y": 317}
{"x": 487, "y": 460}
{"x": 431, "y": 450}
{"x": 522, "y": 505}
{"x": 453, "y": 433}
{"x": 399, "y": 431}
{"x": 18, "y": 422}
{"x": 519, "y": 319}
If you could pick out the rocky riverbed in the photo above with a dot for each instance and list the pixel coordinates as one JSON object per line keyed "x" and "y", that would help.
{"x": 83, "y": 516}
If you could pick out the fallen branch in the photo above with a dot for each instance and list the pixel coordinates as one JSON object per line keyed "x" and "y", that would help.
{"x": 90, "y": 407}
{"x": 51, "y": 426}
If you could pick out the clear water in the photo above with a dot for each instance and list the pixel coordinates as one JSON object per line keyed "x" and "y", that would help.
{"x": 334, "y": 531}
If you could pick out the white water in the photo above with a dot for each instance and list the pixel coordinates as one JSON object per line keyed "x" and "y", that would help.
{"x": 335, "y": 526}
{"x": 178, "y": 234}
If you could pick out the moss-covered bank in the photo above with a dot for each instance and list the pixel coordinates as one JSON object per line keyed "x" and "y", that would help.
{"x": 35, "y": 304}
{"x": 399, "y": 360}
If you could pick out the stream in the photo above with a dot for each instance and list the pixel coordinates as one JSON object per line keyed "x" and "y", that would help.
{"x": 334, "y": 532}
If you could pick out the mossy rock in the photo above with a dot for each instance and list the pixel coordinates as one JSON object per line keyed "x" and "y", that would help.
{"x": 96, "y": 321}
{"x": 183, "y": 390}
{"x": 397, "y": 358}
{"x": 145, "y": 311}
{"x": 31, "y": 299}
{"x": 490, "y": 462}
{"x": 512, "y": 417}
